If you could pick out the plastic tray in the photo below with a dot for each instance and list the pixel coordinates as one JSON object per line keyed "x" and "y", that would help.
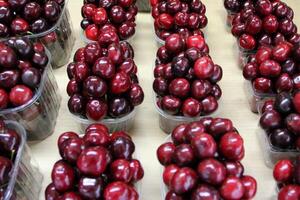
{"x": 59, "y": 39}
{"x": 272, "y": 154}
{"x": 26, "y": 179}
{"x": 114, "y": 124}
{"x": 168, "y": 122}
{"x": 39, "y": 115}
{"x": 255, "y": 100}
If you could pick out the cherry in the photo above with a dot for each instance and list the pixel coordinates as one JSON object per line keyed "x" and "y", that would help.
{"x": 205, "y": 192}
{"x": 9, "y": 78}
{"x": 284, "y": 83}
{"x": 63, "y": 176}
{"x": 169, "y": 173}
{"x": 253, "y": 25}
{"x": 174, "y": 43}
{"x": 51, "y": 11}
{"x": 200, "y": 89}
{"x": 250, "y": 186}
{"x": 71, "y": 196}
{"x": 19, "y": 26}
{"x": 179, "y": 87}
{"x": 234, "y": 169}
{"x": 20, "y": 95}
{"x": 97, "y": 127}
{"x": 184, "y": 180}
{"x": 204, "y": 67}
{"x": 104, "y": 68}
{"x": 283, "y": 171}
{"x": 165, "y": 153}
{"x": 31, "y": 77}
{"x": 262, "y": 85}
{"x": 4, "y": 99}
{"x": 170, "y": 104}
{"x": 51, "y": 193}
{"x": 91, "y": 32}
{"x": 120, "y": 170}
{"x": 180, "y": 66}
{"x": 183, "y": 155}
{"x": 160, "y": 86}
{"x": 6, "y": 166}
{"x": 196, "y": 41}
{"x": 8, "y": 58}
{"x": 90, "y": 188}
{"x": 96, "y": 138}
{"x": 66, "y": 136}
{"x": 232, "y": 188}
{"x": 219, "y": 127}
{"x": 118, "y": 107}
{"x": 117, "y": 14}
{"x": 289, "y": 192}
{"x": 193, "y": 130}
{"x": 71, "y": 149}
{"x": 122, "y": 148}
{"x": 88, "y": 10}
{"x": 96, "y": 109}
{"x": 270, "y": 120}
{"x": 136, "y": 95}
{"x": 136, "y": 170}
{"x": 10, "y": 141}
{"x": 76, "y": 104}
{"x": 178, "y": 134}
{"x": 204, "y": 146}
{"x": 117, "y": 190}
{"x": 296, "y": 102}
{"x": 93, "y": 161}
{"x": 120, "y": 83}
{"x": 94, "y": 87}
{"x": 247, "y": 42}
{"x": 191, "y": 107}
{"x": 99, "y": 16}
{"x": 211, "y": 171}
{"x": 292, "y": 122}
{"x": 270, "y": 24}
{"x": 264, "y": 7}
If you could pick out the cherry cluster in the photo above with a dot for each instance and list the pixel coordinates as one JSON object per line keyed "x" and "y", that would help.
{"x": 186, "y": 77}
{"x": 27, "y": 16}
{"x": 287, "y": 175}
{"x": 274, "y": 70}
{"x": 281, "y": 121}
{"x": 109, "y": 17}
{"x": 98, "y": 165}
{"x": 22, "y": 64}
{"x": 185, "y": 17}
{"x": 235, "y": 6}
{"x": 264, "y": 23}
{"x": 203, "y": 162}
{"x": 103, "y": 81}
{"x": 9, "y": 145}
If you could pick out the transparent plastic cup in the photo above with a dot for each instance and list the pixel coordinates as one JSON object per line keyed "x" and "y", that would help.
{"x": 25, "y": 181}
{"x": 39, "y": 115}
{"x": 244, "y": 57}
{"x": 255, "y": 100}
{"x": 273, "y": 154}
{"x": 164, "y": 189}
{"x": 114, "y": 124}
{"x": 59, "y": 39}
{"x": 168, "y": 122}
{"x": 229, "y": 19}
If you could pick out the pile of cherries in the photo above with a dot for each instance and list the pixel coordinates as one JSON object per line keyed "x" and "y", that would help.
{"x": 103, "y": 81}
{"x": 9, "y": 145}
{"x": 109, "y": 18}
{"x": 264, "y": 23}
{"x": 98, "y": 165}
{"x": 274, "y": 70}
{"x": 27, "y": 16}
{"x": 178, "y": 16}
{"x": 22, "y": 65}
{"x": 186, "y": 77}
{"x": 287, "y": 175}
{"x": 281, "y": 121}
{"x": 203, "y": 162}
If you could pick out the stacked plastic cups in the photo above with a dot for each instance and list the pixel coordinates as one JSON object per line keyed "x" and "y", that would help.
{"x": 270, "y": 47}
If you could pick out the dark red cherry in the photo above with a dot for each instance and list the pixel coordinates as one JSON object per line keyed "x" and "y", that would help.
{"x": 63, "y": 176}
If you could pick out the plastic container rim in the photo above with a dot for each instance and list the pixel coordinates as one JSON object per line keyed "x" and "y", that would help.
{"x": 38, "y": 91}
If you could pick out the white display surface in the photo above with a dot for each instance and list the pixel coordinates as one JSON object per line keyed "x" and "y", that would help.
{"x": 146, "y": 132}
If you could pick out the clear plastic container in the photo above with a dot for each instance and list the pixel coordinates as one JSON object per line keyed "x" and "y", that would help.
{"x": 39, "y": 115}
{"x": 26, "y": 179}
{"x": 114, "y": 124}
{"x": 59, "y": 39}
{"x": 273, "y": 154}
{"x": 255, "y": 100}
{"x": 244, "y": 57}
{"x": 168, "y": 122}
{"x": 229, "y": 18}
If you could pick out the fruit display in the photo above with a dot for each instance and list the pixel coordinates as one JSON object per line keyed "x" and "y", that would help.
{"x": 203, "y": 161}
{"x": 19, "y": 179}
{"x": 98, "y": 165}
{"x": 103, "y": 82}
{"x": 186, "y": 18}
{"x": 28, "y": 87}
{"x": 280, "y": 121}
{"x": 186, "y": 78}
{"x": 233, "y": 7}
{"x": 287, "y": 175}
{"x": 104, "y": 19}
{"x": 47, "y": 21}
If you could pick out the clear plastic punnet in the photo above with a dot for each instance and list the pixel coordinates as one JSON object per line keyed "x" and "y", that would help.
{"x": 59, "y": 39}
{"x": 168, "y": 122}
{"x": 255, "y": 100}
{"x": 26, "y": 179}
{"x": 114, "y": 124}
{"x": 273, "y": 154}
{"x": 38, "y": 116}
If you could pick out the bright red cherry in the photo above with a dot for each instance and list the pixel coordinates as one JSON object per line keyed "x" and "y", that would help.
{"x": 20, "y": 95}
{"x": 211, "y": 171}
{"x": 250, "y": 186}
{"x": 184, "y": 180}
{"x": 165, "y": 153}
{"x": 232, "y": 188}
{"x": 204, "y": 67}
{"x": 283, "y": 171}
{"x": 63, "y": 176}
{"x": 204, "y": 146}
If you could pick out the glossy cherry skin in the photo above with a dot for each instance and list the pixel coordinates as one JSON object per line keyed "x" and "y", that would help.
{"x": 4, "y": 99}
{"x": 284, "y": 83}
{"x": 165, "y": 153}
{"x": 120, "y": 83}
{"x": 173, "y": 196}
{"x": 117, "y": 190}
{"x": 270, "y": 120}
{"x": 203, "y": 192}
{"x": 168, "y": 173}
{"x": 253, "y": 25}
{"x": 76, "y": 104}
{"x": 262, "y": 85}
{"x": 289, "y": 192}
{"x": 184, "y": 180}
{"x": 183, "y": 155}
{"x": 120, "y": 170}
{"x": 231, "y": 146}
{"x": 105, "y": 38}
{"x": 270, "y": 24}
{"x": 104, "y": 68}
{"x": 232, "y": 188}
{"x": 93, "y": 161}
{"x": 8, "y": 57}
{"x": 71, "y": 196}
{"x": 234, "y": 169}
{"x": 178, "y": 134}
{"x": 204, "y": 146}
{"x": 270, "y": 68}
{"x": 96, "y": 138}
{"x": 81, "y": 71}
{"x": 174, "y": 43}
{"x": 119, "y": 107}
{"x": 31, "y": 77}
{"x": 220, "y": 126}
{"x": 71, "y": 149}
{"x": 247, "y": 42}
{"x": 94, "y": 86}
{"x": 92, "y": 32}
{"x": 5, "y": 169}
{"x": 196, "y": 41}
{"x": 96, "y": 110}
{"x": 211, "y": 171}
{"x": 10, "y": 141}
{"x": 136, "y": 95}
{"x": 19, "y": 26}
{"x": 160, "y": 86}
{"x": 136, "y": 170}
{"x": 204, "y": 67}
{"x": 250, "y": 186}
{"x": 97, "y": 127}
{"x": 90, "y": 188}
{"x": 9, "y": 78}
{"x": 296, "y": 102}
{"x": 51, "y": 193}
{"x": 122, "y": 148}
{"x": 180, "y": 66}
{"x": 292, "y": 122}
{"x": 20, "y": 95}
{"x": 191, "y": 107}
{"x": 51, "y": 11}
{"x": 209, "y": 104}
{"x": 170, "y": 104}
{"x": 283, "y": 171}
{"x": 179, "y": 87}
{"x": 193, "y": 130}
{"x": 65, "y": 136}
{"x": 63, "y": 176}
